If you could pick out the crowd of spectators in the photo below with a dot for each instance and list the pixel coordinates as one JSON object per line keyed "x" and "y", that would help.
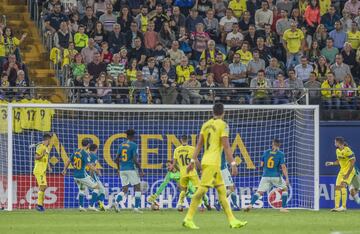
{"x": 13, "y": 72}
{"x": 198, "y": 51}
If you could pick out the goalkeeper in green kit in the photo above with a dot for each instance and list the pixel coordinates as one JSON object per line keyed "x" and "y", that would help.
{"x": 174, "y": 175}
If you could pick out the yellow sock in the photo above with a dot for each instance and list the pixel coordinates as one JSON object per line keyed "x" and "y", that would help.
{"x": 337, "y": 198}
{"x": 225, "y": 203}
{"x": 195, "y": 201}
{"x": 41, "y": 195}
{"x": 344, "y": 197}
{"x": 182, "y": 197}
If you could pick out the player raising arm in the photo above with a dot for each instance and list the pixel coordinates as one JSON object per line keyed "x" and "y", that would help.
{"x": 127, "y": 163}
{"x": 41, "y": 165}
{"x": 273, "y": 163}
{"x": 214, "y": 136}
{"x": 182, "y": 158}
{"x": 100, "y": 197}
{"x": 79, "y": 160}
{"x": 346, "y": 161}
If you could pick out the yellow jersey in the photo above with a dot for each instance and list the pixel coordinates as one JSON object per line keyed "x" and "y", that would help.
{"x": 324, "y": 6}
{"x": 17, "y": 112}
{"x": 237, "y": 7}
{"x": 183, "y": 73}
{"x": 41, "y": 164}
{"x": 183, "y": 155}
{"x": 245, "y": 57}
{"x": 344, "y": 157}
{"x": 27, "y": 116}
{"x": 43, "y": 117}
{"x": 144, "y": 23}
{"x": 354, "y": 39}
{"x": 293, "y": 40}
{"x": 3, "y": 117}
{"x": 212, "y": 131}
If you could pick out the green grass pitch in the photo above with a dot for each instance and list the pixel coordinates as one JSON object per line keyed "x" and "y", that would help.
{"x": 169, "y": 221}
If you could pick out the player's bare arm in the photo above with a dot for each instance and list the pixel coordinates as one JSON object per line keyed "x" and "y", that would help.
{"x": 67, "y": 164}
{"x": 195, "y": 160}
{"x": 285, "y": 173}
{"x": 137, "y": 164}
{"x": 117, "y": 162}
{"x": 229, "y": 155}
{"x": 352, "y": 163}
{"x": 49, "y": 168}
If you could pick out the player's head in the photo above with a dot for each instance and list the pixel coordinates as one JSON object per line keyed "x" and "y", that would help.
{"x": 85, "y": 143}
{"x": 170, "y": 165}
{"x": 340, "y": 142}
{"x": 46, "y": 139}
{"x": 184, "y": 139}
{"x": 93, "y": 148}
{"x": 130, "y": 134}
{"x": 276, "y": 143}
{"x": 218, "y": 110}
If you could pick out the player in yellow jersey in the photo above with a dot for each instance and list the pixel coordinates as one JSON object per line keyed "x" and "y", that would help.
{"x": 40, "y": 168}
{"x": 182, "y": 158}
{"x": 346, "y": 161}
{"x": 214, "y": 136}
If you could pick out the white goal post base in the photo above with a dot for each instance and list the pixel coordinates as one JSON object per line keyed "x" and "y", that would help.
{"x": 159, "y": 128}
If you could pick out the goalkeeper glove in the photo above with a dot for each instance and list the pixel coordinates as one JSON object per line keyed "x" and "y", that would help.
{"x": 329, "y": 164}
{"x": 152, "y": 198}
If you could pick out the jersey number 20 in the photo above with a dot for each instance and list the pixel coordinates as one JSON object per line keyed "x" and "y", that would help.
{"x": 77, "y": 163}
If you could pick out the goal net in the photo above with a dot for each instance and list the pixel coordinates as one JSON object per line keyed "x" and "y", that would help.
{"x": 159, "y": 128}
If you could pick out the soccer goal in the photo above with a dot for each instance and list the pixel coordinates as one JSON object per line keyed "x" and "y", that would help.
{"x": 159, "y": 128}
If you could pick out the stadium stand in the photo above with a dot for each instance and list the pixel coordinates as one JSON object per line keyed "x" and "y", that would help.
{"x": 187, "y": 51}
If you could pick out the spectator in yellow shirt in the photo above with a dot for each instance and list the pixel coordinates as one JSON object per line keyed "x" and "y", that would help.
{"x": 183, "y": 71}
{"x": 238, "y": 7}
{"x": 353, "y": 36}
{"x": 293, "y": 40}
{"x": 81, "y": 39}
{"x": 331, "y": 98}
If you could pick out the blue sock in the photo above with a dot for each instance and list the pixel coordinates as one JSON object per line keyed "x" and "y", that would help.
{"x": 284, "y": 198}
{"x": 120, "y": 197}
{"x": 81, "y": 200}
{"x": 254, "y": 198}
{"x": 137, "y": 199}
{"x": 233, "y": 198}
{"x": 94, "y": 197}
{"x": 101, "y": 197}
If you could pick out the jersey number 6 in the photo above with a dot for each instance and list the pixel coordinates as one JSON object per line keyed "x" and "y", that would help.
{"x": 270, "y": 162}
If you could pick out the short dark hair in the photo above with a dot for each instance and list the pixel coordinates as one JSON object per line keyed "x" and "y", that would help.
{"x": 93, "y": 147}
{"x": 46, "y": 136}
{"x": 184, "y": 137}
{"x": 85, "y": 142}
{"x": 218, "y": 109}
{"x": 276, "y": 142}
{"x": 130, "y": 133}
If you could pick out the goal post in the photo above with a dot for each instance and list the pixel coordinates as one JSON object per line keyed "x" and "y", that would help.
{"x": 159, "y": 128}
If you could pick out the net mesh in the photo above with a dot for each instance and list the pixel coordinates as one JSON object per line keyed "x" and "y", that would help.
{"x": 158, "y": 133}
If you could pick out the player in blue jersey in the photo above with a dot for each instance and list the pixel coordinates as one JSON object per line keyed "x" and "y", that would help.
{"x": 273, "y": 164}
{"x": 100, "y": 197}
{"x": 79, "y": 160}
{"x": 128, "y": 168}
{"x": 229, "y": 184}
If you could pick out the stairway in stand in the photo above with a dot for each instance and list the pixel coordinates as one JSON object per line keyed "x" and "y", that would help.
{"x": 33, "y": 52}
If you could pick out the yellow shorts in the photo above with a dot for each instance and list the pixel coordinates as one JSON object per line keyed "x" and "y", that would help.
{"x": 340, "y": 178}
{"x": 184, "y": 181}
{"x": 41, "y": 179}
{"x": 211, "y": 176}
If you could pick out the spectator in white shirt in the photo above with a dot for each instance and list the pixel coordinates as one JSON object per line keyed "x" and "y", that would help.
{"x": 263, "y": 16}
{"x": 234, "y": 38}
{"x": 303, "y": 69}
{"x": 226, "y": 23}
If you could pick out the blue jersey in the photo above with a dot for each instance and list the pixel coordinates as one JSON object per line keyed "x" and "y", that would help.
{"x": 79, "y": 160}
{"x": 223, "y": 161}
{"x": 127, "y": 153}
{"x": 93, "y": 160}
{"x": 272, "y": 163}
